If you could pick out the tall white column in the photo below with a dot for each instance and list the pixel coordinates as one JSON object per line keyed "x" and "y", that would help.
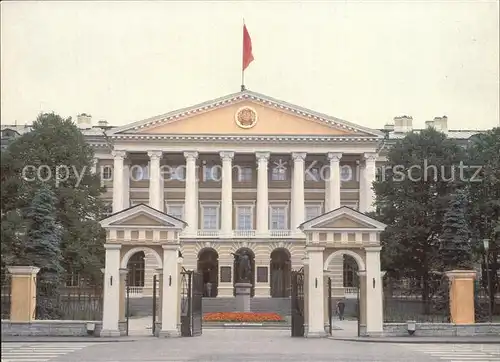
{"x": 118, "y": 202}
{"x": 369, "y": 176}
{"x": 262, "y": 194}
{"x": 111, "y": 306}
{"x": 227, "y": 194}
{"x": 315, "y": 292}
{"x": 298, "y": 205}
{"x": 190, "y": 198}
{"x": 170, "y": 292}
{"x": 373, "y": 301}
{"x": 126, "y": 186}
{"x": 93, "y": 168}
{"x": 334, "y": 182}
{"x": 155, "y": 181}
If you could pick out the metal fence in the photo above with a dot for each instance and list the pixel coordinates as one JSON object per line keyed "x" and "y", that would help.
{"x": 6, "y": 294}
{"x": 407, "y": 297}
{"x": 55, "y": 301}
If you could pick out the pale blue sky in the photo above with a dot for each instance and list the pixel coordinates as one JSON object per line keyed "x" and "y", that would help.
{"x": 365, "y": 62}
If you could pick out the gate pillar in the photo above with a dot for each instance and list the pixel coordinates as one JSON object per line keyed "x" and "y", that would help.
{"x": 123, "y": 294}
{"x": 315, "y": 293}
{"x": 111, "y": 306}
{"x": 461, "y": 296}
{"x": 23, "y": 293}
{"x": 373, "y": 295}
{"x": 170, "y": 292}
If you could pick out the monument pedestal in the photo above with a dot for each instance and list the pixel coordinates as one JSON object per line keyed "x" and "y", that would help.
{"x": 243, "y": 296}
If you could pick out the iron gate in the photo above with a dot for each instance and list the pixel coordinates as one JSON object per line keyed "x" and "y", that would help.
{"x": 330, "y": 306}
{"x": 156, "y": 288}
{"x": 297, "y": 303}
{"x": 191, "y": 303}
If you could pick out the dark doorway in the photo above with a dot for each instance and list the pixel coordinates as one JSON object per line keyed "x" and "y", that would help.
{"x": 350, "y": 272}
{"x": 252, "y": 266}
{"x": 281, "y": 267}
{"x": 208, "y": 267}
{"x": 136, "y": 268}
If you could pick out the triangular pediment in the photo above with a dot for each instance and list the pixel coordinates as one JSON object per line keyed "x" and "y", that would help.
{"x": 246, "y": 113}
{"x": 343, "y": 218}
{"x": 142, "y": 216}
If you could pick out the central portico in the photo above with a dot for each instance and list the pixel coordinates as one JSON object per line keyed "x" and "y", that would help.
{"x": 243, "y": 171}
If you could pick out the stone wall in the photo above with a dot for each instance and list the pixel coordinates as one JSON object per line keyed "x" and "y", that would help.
{"x": 442, "y": 329}
{"x": 55, "y": 328}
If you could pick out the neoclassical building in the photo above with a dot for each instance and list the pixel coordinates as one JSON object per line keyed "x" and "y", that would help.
{"x": 243, "y": 171}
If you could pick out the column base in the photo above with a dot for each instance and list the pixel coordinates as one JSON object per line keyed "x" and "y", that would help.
{"x": 316, "y": 334}
{"x": 169, "y": 334}
{"x": 109, "y": 333}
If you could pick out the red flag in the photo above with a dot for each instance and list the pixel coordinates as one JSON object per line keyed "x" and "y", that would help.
{"x": 247, "y": 48}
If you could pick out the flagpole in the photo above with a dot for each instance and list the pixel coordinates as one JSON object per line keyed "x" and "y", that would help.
{"x": 242, "y": 70}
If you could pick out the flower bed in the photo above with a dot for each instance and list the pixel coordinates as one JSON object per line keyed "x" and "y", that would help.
{"x": 242, "y": 317}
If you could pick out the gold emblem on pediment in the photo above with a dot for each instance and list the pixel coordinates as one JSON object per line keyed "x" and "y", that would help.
{"x": 246, "y": 117}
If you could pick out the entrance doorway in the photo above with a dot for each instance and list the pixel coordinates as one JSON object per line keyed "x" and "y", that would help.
{"x": 208, "y": 266}
{"x": 280, "y": 267}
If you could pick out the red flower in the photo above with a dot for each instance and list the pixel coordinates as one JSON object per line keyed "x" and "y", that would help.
{"x": 242, "y": 317}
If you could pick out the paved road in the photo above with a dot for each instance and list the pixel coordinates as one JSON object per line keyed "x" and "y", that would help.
{"x": 246, "y": 345}
{"x": 38, "y": 352}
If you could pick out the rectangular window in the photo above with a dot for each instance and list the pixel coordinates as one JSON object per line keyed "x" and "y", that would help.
{"x": 313, "y": 174}
{"x": 210, "y": 217}
{"x": 176, "y": 211}
{"x": 244, "y": 218}
{"x": 139, "y": 172}
{"x": 278, "y": 174}
{"x": 211, "y": 173}
{"x": 174, "y": 173}
{"x": 245, "y": 174}
{"x": 277, "y": 217}
{"x": 312, "y": 211}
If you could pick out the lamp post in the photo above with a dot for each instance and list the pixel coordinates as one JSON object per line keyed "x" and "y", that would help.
{"x": 486, "y": 244}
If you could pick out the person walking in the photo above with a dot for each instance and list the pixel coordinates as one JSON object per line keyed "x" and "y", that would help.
{"x": 340, "y": 309}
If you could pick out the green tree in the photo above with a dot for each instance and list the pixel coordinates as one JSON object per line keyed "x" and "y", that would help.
{"x": 484, "y": 200}
{"x": 55, "y": 153}
{"x": 42, "y": 248}
{"x": 412, "y": 195}
{"x": 456, "y": 251}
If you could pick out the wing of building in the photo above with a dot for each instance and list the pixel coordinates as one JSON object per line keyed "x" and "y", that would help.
{"x": 243, "y": 171}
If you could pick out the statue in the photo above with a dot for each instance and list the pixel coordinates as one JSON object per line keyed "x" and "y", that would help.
{"x": 244, "y": 267}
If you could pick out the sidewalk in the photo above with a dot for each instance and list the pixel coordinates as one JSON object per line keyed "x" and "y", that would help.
{"x": 347, "y": 330}
{"x": 89, "y": 339}
{"x": 422, "y": 340}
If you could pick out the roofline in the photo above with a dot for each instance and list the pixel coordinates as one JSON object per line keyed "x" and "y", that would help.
{"x": 247, "y": 93}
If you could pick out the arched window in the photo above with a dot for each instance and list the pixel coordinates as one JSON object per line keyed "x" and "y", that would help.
{"x": 136, "y": 267}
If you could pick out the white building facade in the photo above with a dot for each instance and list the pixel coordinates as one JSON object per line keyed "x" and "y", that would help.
{"x": 243, "y": 171}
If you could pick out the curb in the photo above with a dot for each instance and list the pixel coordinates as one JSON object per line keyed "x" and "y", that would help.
{"x": 415, "y": 341}
{"x": 67, "y": 340}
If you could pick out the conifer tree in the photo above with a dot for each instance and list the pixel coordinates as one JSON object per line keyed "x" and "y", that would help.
{"x": 455, "y": 250}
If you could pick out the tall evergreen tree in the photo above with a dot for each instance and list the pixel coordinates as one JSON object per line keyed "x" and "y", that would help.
{"x": 56, "y": 146}
{"x": 42, "y": 248}
{"x": 456, "y": 251}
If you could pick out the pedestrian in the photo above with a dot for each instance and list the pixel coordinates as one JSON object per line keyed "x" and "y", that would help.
{"x": 340, "y": 309}
{"x": 209, "y": 289}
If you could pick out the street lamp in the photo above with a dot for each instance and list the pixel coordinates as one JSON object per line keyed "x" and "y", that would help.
{"x": 486, "y": 245}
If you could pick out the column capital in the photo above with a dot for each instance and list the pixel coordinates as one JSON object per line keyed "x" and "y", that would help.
{"x": 112, "y": 246}
{"x": 226, "y": 155}
{"x": 299, "y": 156}
{"x": 118, "y": 154}
{"x": 334, "y": 156}
{"x": 262, "y": 156}
{"x": 23, "y": 270}
{"x": 370, "y": 156}
{"x": 155, "y": 155}
{"x": 191, "y": 155}
{"x": 373, "y": 249}
{"x": 123, "y": 271}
